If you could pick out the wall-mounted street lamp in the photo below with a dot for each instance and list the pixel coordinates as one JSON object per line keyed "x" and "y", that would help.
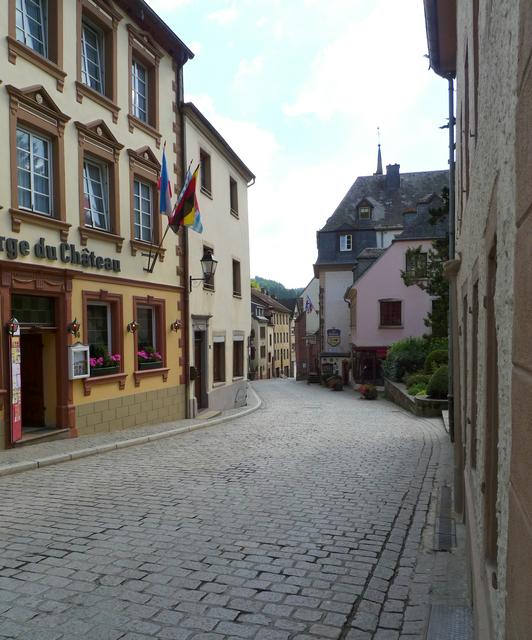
{"x": 73, "y": 328}
{"x": 175, "y": 326}
{"x": 208, "y": 266}
{"x": 132, "y": 326}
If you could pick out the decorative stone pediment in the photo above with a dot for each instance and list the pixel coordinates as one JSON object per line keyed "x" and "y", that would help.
{"x": 100, "y": 133}
{"x": 146, "y": 157}
{"x": 36, "y": 100}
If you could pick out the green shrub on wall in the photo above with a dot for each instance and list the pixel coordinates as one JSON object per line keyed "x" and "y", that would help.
{"x": 405, "y": 356}
{"x": 417, "y": 378}
{"x": 435, "y": 360}
{"x": 438, "y": 384}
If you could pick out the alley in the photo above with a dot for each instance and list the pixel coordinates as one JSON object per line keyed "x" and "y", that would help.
{"x": 302, "y": 520}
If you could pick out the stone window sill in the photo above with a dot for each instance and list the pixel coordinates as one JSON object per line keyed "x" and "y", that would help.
{"x": 136, "y": 123}
{"x": 88, "y": 383}
{"x": 82, "y": 90}
{"x": 88, "y": 232}
{"x": 19, "y": 215}
{"x": 16, "y": 48}
{"x": 150, "y": 373}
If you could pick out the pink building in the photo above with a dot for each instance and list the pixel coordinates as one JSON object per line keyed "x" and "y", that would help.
{"x": 382, "y": 308}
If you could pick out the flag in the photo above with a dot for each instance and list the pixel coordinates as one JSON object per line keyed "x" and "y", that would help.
{"x": 193, "y": 218}
{"x": 186, "y": 205}
{"x": 309, "y": 307}
{"x": 165, "y": 189}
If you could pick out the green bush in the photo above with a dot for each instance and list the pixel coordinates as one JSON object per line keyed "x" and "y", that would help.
{"x": 435, "y": 360}
{"x": 438, "y": 343}
{"x": 438, "y": 384}
{"x": 405, "y": 356}
{"x": 418, "y": 377}
{"x": 417, "y": 389}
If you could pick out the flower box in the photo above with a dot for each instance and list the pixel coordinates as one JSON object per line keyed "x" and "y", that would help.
{"x": 104, "y": 371}
{"x": 147, "y": 364}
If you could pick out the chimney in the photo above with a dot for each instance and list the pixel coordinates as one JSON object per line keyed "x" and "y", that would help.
{"x": 393, "y": 180}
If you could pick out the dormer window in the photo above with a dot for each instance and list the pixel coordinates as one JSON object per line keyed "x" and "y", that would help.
{"x": 364, "y": 212}
{"x": 346, "y": 242}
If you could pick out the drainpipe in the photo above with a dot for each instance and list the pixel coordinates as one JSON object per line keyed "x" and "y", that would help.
{"x": 450, "y": 396}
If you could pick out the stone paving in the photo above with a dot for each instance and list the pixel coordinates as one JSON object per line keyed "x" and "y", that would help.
{"x": 302, "y": 520}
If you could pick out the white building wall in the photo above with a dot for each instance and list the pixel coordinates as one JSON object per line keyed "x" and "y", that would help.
{"x": 228, "y": 237}
{"x": 336, "y": 311}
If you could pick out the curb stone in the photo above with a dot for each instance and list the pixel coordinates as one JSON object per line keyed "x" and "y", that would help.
{"x": 20, "y": 467}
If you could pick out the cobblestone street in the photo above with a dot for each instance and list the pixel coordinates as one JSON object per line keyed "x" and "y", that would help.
{"x": 302, "y": 520}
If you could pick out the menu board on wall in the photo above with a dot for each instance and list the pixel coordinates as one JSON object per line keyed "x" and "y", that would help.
{"x": 16, "y": 397}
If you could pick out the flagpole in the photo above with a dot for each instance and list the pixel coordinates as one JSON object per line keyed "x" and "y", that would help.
{"x": 150, "y": 269}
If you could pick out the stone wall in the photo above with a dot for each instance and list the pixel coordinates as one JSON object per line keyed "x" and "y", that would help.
{"x": 151, "y": 407}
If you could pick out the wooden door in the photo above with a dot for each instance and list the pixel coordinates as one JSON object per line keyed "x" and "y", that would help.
{"x": 31, "y": 375}
{"x": 198, "y": 366}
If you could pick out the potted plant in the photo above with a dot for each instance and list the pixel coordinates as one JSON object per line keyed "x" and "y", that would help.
{"x": 103, "y": 363}
{"x": 148, "y": 358}
{"x": 368, "y": 391}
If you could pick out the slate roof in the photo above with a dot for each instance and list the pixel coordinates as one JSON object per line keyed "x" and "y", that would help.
{"x": 365, "y": 259}
{"x": 268, "y": 301}
{"x": 413, "y": 188}
{"x": 424, "y": 229}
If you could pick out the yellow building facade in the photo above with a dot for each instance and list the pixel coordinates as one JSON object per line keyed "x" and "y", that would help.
{"x": 92, "y": 340}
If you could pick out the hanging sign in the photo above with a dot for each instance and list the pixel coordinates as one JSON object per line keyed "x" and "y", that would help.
{"x": 16, "y": 397}
{"x": 333, "y": 337}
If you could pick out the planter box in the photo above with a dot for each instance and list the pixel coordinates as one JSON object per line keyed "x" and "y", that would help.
{"x": 104, "y": 371}
{"x": 155, "y": 364}
{"x": 419, "y": 406}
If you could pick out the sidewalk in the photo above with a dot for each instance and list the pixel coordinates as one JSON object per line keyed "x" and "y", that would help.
{"x": 48, "y": 453}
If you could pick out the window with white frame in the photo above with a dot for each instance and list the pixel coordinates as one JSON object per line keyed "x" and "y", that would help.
{"x": 139, "y": 91}
{"x": 34, "y": 172}
{"x": 99, "y": 326}
{"x": 31, "y": 24}
{"x": 143, "y": 211}
{"x": 346, "y": 242}
{"x": 147, "y": 330}
{"x": 92, "y": 57}
{"x": 96, "y": 194}
{"x": 364, "y": 212}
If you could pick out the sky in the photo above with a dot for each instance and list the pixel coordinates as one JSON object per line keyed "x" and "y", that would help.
{"x": 298, "y": 89}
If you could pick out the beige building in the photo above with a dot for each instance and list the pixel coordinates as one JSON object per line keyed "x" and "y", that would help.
{"x": 488, "y": 46}
{"x": 218, "y": 307}
{"x": 88, "y": 96}
{"x": 261, "y": 340}
{"x": 280, "y": 319}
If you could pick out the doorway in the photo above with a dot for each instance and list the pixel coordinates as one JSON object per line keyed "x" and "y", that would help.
{"x": 199, "y": 358}
{"x": 32, "y": 381}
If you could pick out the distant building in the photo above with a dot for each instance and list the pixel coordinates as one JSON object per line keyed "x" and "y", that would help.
{"x": 370, "y": 215}
{"x": 383, "y": 309}
{"x": 306, "y": 331}
{"x": 488, "y": 47}
{"x": 219, "y": 307}
{"x": 280, "y": 318}
{"x": 260, "y": 349}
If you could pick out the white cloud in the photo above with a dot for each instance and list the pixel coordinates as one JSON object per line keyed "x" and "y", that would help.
{"x": 224, "y": 16}
{"x": 249, "y": 68}
{"x": 195, "y": 47}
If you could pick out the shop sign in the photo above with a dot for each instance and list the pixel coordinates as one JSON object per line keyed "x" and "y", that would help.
{"x": 333, "y": 337}
{"x": 16, "y": 398}
{"x": 64, "y": 252}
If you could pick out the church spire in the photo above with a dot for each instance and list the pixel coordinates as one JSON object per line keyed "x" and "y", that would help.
{"x": 379, "y": 157}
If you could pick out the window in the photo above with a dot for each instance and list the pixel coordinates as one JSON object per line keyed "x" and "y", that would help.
{"x": 237, "y": 287}
{"x": 146, "y": 334}
{"x": 96, "y": 52}
{"x": 233, "y": 196}
{"x": 144, "y": 58}
{"x": 390, "y": 313}
{"x": 139, "y": 91}
{"x": 143, "y": 211}
{"x": 416, "y": 264}
{"x": 346, "y": 242}
{"x": 205, "y": 171}
{"x": 150, "y": 337}
{"x": 31, "y": 25}
{"x": 98, "y": 183}
{"x": 263, "y": 351}
{"x": 99, "y": 325}
{"x": 218, "y": 359}
{"x": 102, "y": 324}
{"x": 263, "y": 333}
{"x": 259, "y": 312}
{"x": 92, "y": 57}
{"x": 34, "y": 172}
{"x": 364, "y": 212}
{"x": 96, "y": 194}
{"x": 238, "y": 356}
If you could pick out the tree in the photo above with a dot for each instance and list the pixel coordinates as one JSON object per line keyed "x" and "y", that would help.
{"x": 430, "y": 278}
{"x": 254, "y": 284}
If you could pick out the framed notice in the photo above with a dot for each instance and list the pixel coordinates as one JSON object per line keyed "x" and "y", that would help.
{"x": 78, "y": 361}
{"x": 16, "y": 395}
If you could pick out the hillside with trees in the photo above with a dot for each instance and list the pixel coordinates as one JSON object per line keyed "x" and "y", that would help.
{"x": 276, "y": 289}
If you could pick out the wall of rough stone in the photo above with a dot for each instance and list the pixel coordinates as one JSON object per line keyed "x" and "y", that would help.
{"x": 485, "y": 196}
